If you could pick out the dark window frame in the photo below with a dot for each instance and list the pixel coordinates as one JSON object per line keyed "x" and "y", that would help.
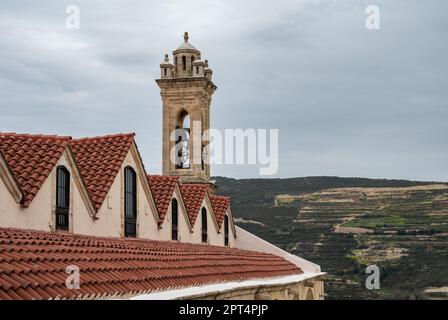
{"x": 226, "y": 230}
{"x": 62, "y": 198}
{"x": 130, "y": 202}
{"x": 174, "y": 219}
{"x": 204, "y": 226}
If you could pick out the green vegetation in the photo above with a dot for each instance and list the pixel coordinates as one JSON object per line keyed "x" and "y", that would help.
{"x": 408, "y": 238}
{"x": 375, "y": 222}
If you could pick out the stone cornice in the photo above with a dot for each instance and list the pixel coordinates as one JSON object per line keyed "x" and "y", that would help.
{"x": 177, "y": 83}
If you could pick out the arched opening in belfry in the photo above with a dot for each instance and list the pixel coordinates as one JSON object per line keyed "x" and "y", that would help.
{"x": 184, "y": 63}
{"x": 184, "y": 120}
{"x": 183, "y": 140}
{"x": 309, "y": 295}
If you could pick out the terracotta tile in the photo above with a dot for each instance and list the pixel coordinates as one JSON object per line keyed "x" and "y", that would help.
{"x": 110, "y": 265}
{"x": 162, "y": 188}
{"x": 31, "y": 158}
{"x": 220, "y": 205}
{"x": 193, "y": 196}
{"x": 99, "y": 160}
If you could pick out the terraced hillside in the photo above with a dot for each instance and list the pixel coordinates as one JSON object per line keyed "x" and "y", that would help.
{"x": 400, "y": 226}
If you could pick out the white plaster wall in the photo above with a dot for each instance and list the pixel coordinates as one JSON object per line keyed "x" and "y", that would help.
{"x": 79, "y": 213}
{"x": 213, "y": 237}
{"x": 183, "y": 225}
{"x": 185, "y": 235}
{"x": 37, "y": 216}
{"x": 231, "y": 233}
{"x": 40, "y": 215}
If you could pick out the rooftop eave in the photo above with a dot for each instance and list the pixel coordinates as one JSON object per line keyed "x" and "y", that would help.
{"x": 186, "y": 50}
{"x": 197, "y": 292}
{"x": 11, "y": 184}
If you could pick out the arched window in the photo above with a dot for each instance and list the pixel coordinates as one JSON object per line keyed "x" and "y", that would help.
{"x": 174, "y": 220}
{"x": 184, "y": 63}
{"x": 185, "y": 119}
{"x": 130, "y": 202}
{"x": 62, "y": 198}
{"x": 204, "y": 224}
{"x": 176, "y": 64}
{"x": 226, "y": 230}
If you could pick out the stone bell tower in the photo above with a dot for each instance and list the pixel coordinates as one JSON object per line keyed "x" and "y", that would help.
{"x": 186, "y": 88}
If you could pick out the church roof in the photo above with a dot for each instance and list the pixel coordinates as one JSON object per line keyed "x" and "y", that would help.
{"x": 186, "y": 46}
{"x": 31, "y": 158}
{"x": 33, "y": 265}
{"x": 99, "y": 160}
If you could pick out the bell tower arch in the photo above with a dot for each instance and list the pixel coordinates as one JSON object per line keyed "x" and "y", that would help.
{"x": 186, "y": 89}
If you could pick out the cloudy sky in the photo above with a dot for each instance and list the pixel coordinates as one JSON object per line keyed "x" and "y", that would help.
{"x": 346, "y": 101}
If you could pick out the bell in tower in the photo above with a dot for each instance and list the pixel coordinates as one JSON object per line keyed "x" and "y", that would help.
{"x": 186, "y": 89}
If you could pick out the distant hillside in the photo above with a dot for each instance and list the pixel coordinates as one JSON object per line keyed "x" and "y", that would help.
{"x": 345, "y": 224}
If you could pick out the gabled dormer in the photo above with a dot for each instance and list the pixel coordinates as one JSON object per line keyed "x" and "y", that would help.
{"x": 118, "y": 186}
{"x": 200, "y": 211}
{"x": 40, "y": 173}
{"x": 223, "y": 214}
{"x": 174, "y": 223}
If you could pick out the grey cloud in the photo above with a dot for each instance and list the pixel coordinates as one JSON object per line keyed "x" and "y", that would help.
{"x": 346, "y": 101}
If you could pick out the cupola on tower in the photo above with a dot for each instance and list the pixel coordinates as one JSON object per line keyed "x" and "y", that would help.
{"x": 186, "y": 88}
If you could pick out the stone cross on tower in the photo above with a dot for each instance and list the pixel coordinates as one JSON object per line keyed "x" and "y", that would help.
{"x": 186, "y": 88}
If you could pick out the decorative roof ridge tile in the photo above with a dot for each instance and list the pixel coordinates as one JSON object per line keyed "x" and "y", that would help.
{"x": 217, "y": 196}
{"x": 163, "y": 176}
{"x": 195, "y": 184}
{"x": 35, "y": 135}
{"x": 115, "y": 135}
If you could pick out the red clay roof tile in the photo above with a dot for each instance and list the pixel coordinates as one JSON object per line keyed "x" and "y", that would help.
{"x": 220, "y": 205}
{"x": 99, "y": 160}
{"x": 193, "y": 194}
{"x": 120, "y": 266}
{"x": 162, "y": 188}
{"x": 31, "y": 159}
